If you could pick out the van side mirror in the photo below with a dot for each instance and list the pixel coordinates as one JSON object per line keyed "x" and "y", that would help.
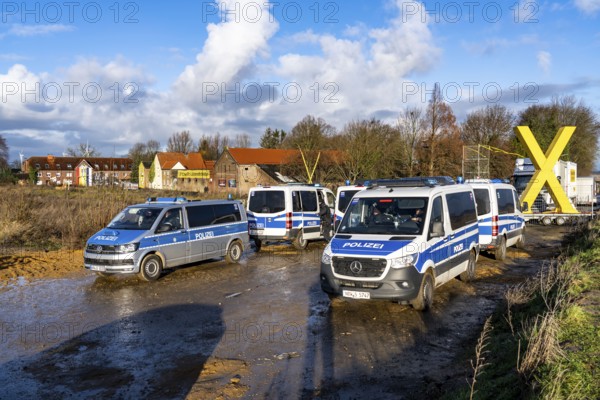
{"x": 525, "y": 206}
{"x": 437, "y": 230}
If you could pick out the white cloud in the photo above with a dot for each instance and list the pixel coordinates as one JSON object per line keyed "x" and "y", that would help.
{"x": 588, "y": 6}
{"x": 38, "y": 30}
{"x": 231, "y": 46}
{"x": 544, "y": 60}
{"x": 341, "y": 79}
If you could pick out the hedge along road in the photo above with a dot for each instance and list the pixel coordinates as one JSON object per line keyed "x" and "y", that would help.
{"x": 260, "y": 329}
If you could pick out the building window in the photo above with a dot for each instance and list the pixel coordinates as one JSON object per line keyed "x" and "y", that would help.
{"x": 48, "y": 174}
{"x": 96, "y": 166}
{"x": 57, "y": 166}
{"x": 69, "y": 174}
{"x": 105, "y": 166}
{"x": 58, "y": 174}
{"x": 122, "y": 166}
{"x": 47, "y": 166}
{"x": 37, "y": 166}
{"x": 69, "y": 166}
{"x": 115, "y": 166}
{"x": 39, "y": 174}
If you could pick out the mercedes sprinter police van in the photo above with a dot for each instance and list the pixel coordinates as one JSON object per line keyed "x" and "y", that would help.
{"x": 399, "y": 243}
{"x": 501, "y": 222}
{"x": 287, "y": 212}
{"x": 168, "y": 232}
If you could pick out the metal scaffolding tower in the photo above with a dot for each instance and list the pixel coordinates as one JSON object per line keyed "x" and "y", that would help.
{"x": 476, "y": 162}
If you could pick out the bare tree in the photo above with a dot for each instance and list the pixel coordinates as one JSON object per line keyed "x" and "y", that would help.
{"x": 180, "y": 142}
{"x": 492, "y": 127}
{"x": 83, "y": 150}
{"x": 242, "y": 140}
{"x": 211, "y": 147}
{"x": 3, "y": 152}
{"x": 410, "y": 130}
{"x": 439, "y": 123}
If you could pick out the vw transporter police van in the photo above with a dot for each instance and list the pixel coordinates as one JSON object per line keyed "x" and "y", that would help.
{"x": 168, "y": 232}
{"x": 399, "y": 243}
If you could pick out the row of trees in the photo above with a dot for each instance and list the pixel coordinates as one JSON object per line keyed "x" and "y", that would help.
{"x": 429, "y": 141}
{"x": 422, "y": 141}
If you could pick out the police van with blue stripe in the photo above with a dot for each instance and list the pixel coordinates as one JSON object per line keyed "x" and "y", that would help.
{"x": 501, "y": 222}
{"x": 165, "y": 233}
{"x": 401, "y": 241}
{"x": 288, "y": 213}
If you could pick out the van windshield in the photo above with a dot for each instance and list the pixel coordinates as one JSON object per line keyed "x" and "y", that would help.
{"x": 385, "y": 216}
{"x": 135, "y": 218}
{"x": 267, "y": 201}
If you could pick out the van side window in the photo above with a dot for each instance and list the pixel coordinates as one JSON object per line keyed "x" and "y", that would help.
{"x": 267, "y": 201}
{"x": 437, "y": 213}
{"x": 517, "y": 202}
{"x": 309, "y": 200}
{"x": 199, "y": 216}
{"x": 226, "y": 213}
{"x": 461, "y": 208}
{"x": 330, "y": 199}
{"x": 506, "y": 200}
{"x": 482, "y": 198}
{"x": 296, "y": 204}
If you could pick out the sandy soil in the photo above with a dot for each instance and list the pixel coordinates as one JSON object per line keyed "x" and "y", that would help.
{"x": 39, "y": 264}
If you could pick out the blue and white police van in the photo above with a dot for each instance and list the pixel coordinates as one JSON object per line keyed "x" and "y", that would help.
{"x": 287, "y": 212}
{"x": 501, "y": 222}
{"x": 399, "y": 243}
{"x": 168, "y": 232}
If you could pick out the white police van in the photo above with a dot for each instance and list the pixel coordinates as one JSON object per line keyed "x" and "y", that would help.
{"x": 385, "y": 249}
{"x": 165, "y": 233}
{"x": 501, "y": 222}
{"x": 287, "y": 212}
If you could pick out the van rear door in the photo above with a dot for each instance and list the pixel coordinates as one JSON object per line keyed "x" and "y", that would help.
{"x": 267, "y": 213}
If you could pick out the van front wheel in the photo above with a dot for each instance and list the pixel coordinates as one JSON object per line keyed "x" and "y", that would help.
{"x": 234, "y": 252}
{"x": 300, "y": 243}
{"x": 424, "y": 299}
{"x": 151, "y": 267}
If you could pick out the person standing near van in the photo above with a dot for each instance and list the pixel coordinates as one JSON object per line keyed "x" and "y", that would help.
{"x": 325, "y": 217}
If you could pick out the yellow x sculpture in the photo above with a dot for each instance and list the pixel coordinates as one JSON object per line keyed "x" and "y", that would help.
{"x": 544, "y": 164}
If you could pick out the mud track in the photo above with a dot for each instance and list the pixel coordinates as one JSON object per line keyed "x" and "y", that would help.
{"x": 260, "y": 329}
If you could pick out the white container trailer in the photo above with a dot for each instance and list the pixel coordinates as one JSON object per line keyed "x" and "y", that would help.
{"x": 586, "y": 190}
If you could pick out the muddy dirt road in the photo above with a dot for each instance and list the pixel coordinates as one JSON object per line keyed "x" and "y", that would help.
{"x": 260, "y": 329}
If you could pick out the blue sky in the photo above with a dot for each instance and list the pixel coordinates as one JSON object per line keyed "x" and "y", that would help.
{"x": 116, "y": 73}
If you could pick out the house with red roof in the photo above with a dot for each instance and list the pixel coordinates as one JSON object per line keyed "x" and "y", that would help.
{"x": 239, "y": 169}
{"x": 178, "y": 171}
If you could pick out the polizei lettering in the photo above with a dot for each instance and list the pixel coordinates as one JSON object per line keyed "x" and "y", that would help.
{"x": 367, "y": 245}
{"x": 204, "y": 235}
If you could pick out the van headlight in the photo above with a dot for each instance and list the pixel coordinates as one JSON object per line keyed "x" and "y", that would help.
{"x": 127, "y": 248}
{"x": 326, "y": 257}
{"x": 405, "y": 261}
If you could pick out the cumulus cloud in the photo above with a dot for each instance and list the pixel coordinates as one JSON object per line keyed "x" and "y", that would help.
{"x": 588, "y": 6}
{"x": 544, "y": 60}
{"x": 339, "y": 78}
{"x": 231, "y": 47}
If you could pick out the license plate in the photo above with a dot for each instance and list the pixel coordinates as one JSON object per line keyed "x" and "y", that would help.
{"x": 356, "y": 295}
{"x": 257, "y": 232}
{"x": 99, "y": 268}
